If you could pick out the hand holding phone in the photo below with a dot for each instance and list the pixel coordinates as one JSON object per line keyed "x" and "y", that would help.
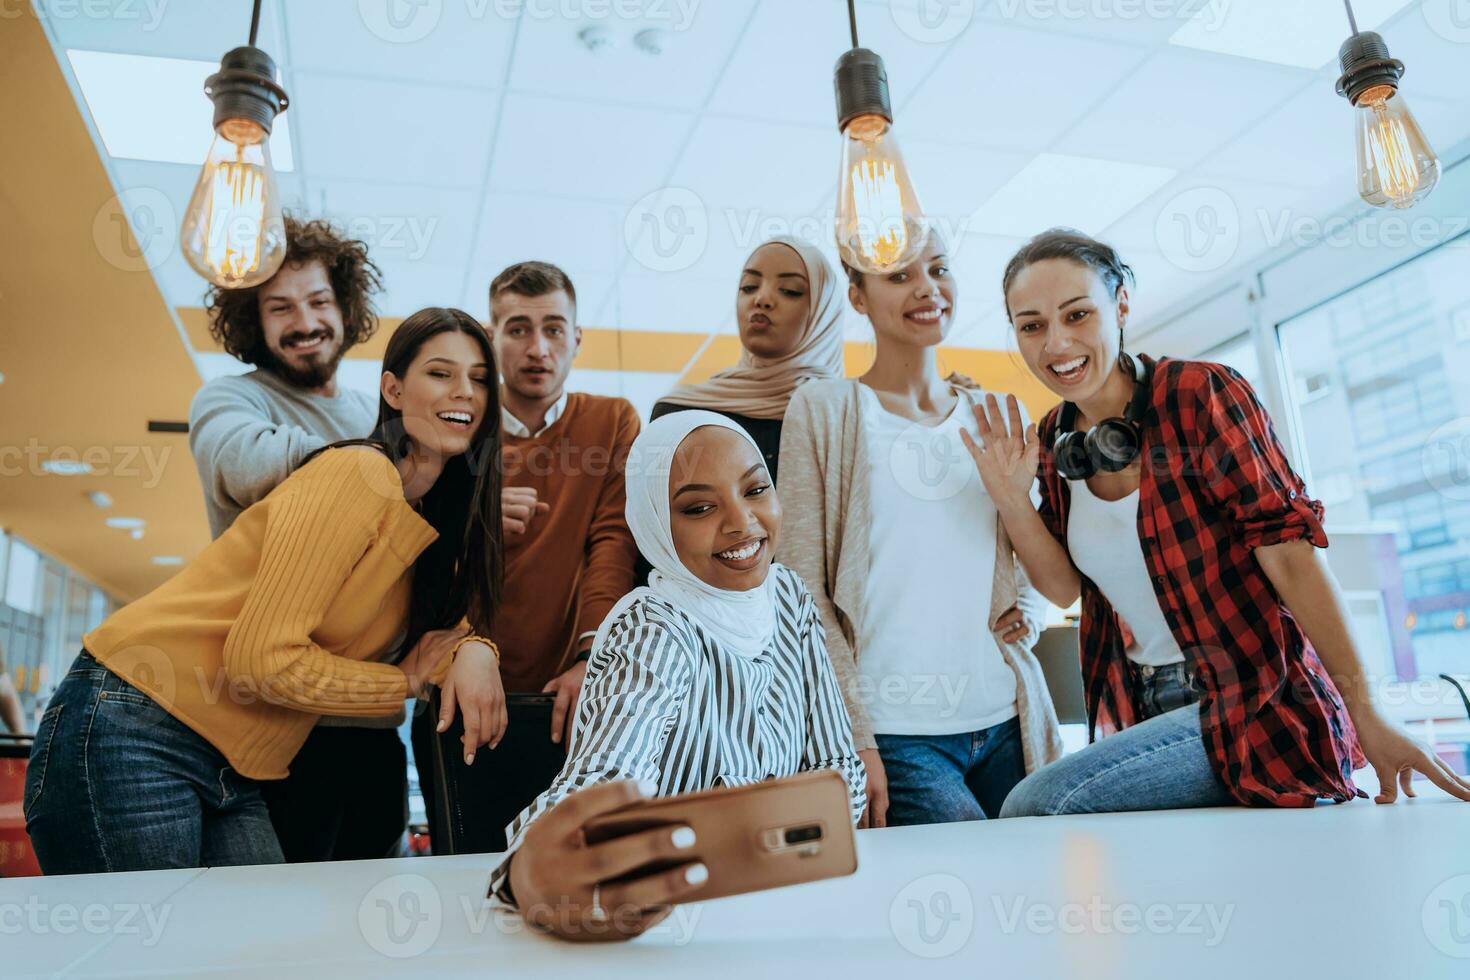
{"x": 562, "y": 883}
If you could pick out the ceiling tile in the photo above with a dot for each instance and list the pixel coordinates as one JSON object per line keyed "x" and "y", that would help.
{"x": 465, "y": 44}
{"x": 783, "y": 68}
{"x": 953, "y": 181}
{"x": 419, "y": 134}
{"x": 670, "y": 303}
{"x": 1014, "y": 90}
{"x": 1300, "y": 34}
{"x": 1192, "y": 102}
{"x": 1077, "y": 192}
{"x": 1135, "y": 23}
{"x": 759, "y": 168}
{"x": 578, "y": 149}
{"x": 697, "y": 38}
{"x": 401, "y": 221}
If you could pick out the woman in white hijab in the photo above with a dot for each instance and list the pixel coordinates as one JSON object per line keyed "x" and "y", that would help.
{"x": 789, "y": 311}
{"x": 715, "y": 673}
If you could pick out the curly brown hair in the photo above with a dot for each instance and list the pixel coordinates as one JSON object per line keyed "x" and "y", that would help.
{"x": 234, "y": 314}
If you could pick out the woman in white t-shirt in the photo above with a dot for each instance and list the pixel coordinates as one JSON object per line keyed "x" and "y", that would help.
{"x": 929, "y": 620}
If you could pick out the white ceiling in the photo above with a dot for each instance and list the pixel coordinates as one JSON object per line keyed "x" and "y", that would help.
{"x": 467, "y": 134}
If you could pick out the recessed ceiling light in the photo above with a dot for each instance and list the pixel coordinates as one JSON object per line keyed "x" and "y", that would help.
{"x": 136, "y": 534}
{"x": 150, "y": 108}
{"x": 1304, "y": 35}
{"x": 66, "y": 467}
{"x": 126, "y": 523}
{"x": 1076, "y": 192}
{"x": 167, "y": 560}
{"x": 99, "y": 499}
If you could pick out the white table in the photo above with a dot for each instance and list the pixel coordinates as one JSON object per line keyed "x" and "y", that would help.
{"x": 1347, "y": 891}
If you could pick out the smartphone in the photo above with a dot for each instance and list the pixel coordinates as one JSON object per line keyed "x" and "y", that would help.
{"x": 763, "y": 835}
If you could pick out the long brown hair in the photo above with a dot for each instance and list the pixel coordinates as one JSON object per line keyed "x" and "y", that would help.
{"x": 461, "y": 573}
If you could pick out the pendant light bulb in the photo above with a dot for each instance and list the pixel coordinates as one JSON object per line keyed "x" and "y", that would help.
{"x": 1396, "y": 166}
{"x": 233, "y": 233}
{"x": 880, "y": 224}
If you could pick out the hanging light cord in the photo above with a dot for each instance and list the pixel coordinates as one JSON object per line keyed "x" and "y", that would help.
{"x": 851, "y": 20}
{"x": 254, "y": 23}
{"x": 1352, "y": 18}
{"x": 1463, "y": 696}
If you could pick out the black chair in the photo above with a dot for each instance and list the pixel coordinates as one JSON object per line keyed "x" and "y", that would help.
{"x": 468, "y": 807}
{"x": 1059, "y": 651}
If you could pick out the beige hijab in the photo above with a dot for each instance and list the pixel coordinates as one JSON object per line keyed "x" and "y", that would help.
{"x": 760, "y": 388}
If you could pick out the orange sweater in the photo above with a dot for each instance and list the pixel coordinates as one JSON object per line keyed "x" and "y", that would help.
{"x": 576, "y": 561}
{"x": 275, "y": 621}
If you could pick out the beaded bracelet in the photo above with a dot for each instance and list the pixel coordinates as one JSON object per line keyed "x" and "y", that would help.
{"x": 472, "y": 638}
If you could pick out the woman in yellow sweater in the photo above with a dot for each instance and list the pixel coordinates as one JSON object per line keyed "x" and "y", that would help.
{"x": 150, "y": 752}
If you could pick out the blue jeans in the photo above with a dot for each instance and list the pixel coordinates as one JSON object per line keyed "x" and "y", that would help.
{"x": 947, "y": 778}
{"x": 116, "y": 783}
{"x": 1158, "y": 764}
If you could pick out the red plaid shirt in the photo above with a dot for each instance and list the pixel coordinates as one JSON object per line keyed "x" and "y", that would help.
{"x": 1214, "y": 485}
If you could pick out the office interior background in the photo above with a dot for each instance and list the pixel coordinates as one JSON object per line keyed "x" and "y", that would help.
{"x": 648, "y": 145}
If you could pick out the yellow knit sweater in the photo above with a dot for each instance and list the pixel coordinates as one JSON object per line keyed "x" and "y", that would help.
{"x": 273, "y": 624}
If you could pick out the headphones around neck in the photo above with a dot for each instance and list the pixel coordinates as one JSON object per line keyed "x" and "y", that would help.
{"x": 1113, "y": 443}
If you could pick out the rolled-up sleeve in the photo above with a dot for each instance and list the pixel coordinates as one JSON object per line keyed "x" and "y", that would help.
{"x": 1243, "y": 466}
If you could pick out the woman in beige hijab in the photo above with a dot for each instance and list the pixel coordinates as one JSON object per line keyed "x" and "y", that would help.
{"x": 789, "y": 311}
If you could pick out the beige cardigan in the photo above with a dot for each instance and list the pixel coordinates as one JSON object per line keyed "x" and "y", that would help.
{"x": 825, "y": 540}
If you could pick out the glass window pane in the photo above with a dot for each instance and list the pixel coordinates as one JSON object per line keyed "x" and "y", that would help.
{"x": 1374, "y": 373}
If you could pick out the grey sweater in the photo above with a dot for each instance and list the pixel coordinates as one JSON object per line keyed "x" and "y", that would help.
{"x": 822, "y": 455}
{"x": 247, "y": 434}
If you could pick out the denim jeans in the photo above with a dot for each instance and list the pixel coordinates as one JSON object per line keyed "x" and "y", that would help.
{"x": 947, "y": 778}
{"x": 116, "y": 783}
{"x": 1158, "y": 764}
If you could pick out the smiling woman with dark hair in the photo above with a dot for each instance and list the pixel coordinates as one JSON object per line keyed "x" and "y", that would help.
{"x": 1167, "y": 502}
{"x": 152, "y": 750}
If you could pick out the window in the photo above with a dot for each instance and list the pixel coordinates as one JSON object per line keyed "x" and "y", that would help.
{"x": 21, "y": 577}
{"x": 1375, "y": 374}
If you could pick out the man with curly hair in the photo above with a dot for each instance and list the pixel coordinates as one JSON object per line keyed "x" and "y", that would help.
{"x": 346, "y": 796}
{"x": 248, "y": 432}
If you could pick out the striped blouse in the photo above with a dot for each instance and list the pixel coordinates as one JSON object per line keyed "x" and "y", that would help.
{"x": 662, "y": 700}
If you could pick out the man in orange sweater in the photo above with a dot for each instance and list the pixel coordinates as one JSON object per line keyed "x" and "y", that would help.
{"x": 568, "y": 552}
{"x": 569, "y": 555}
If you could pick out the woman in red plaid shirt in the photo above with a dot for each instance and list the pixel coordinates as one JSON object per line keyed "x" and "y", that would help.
{"x": 1205, "y": 545}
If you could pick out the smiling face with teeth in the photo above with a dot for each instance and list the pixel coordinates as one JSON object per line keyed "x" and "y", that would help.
{"x": 443, "y": 395}
{"x": 301, "y": 324}
{"x": 724, "y": 515}
{"x": 1068, "y": 328}
{"x": 913, "y": 306}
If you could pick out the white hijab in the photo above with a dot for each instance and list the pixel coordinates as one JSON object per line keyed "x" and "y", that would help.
{"x": 743, "y": 622}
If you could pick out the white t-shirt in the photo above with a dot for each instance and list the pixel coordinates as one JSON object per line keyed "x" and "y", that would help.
{"x": 1102, "y": 536}
{"x": 927, "y": 661}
